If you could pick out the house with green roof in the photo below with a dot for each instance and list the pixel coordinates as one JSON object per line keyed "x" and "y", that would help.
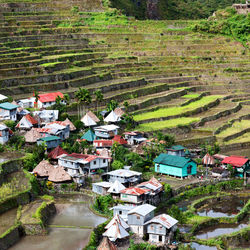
{"x": 174, "y": 165}
{"x": 178, "y": 150}
{"x": 8, "y": 111}
{"x": 49, "y": 141}
{"x": 89, "y": 136}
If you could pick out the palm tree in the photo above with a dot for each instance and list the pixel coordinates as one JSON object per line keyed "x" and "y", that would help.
{"x": 37, "y": 97}
{"x": 99, "y": 97}
{"x": 83, "y": 96}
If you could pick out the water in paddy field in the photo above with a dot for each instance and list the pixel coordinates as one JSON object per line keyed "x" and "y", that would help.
{"x": 200, "y": 247}
{"x": 228, "y": 206}
{"x": 65, "y": 232}
{"x": 218, "y": 230}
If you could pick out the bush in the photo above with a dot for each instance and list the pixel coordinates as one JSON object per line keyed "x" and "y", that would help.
{"x": 116, "y": 165}
{"x": 102, "y": 204}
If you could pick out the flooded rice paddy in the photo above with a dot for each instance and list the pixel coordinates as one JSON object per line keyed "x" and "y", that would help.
{"x": 218, "y": 230}
{"x": 69, "y": 229}
{"x": 227, "y": 206}
{"x": 198, "y": 246}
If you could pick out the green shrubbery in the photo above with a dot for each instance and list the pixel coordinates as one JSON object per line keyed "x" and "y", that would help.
{"x": 226, "y": 22}
{"x": 103, "y": 203}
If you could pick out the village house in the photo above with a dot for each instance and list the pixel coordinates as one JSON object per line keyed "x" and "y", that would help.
{"x": 109, "y": 143}
{"x": 46, "y": 100}
{"x": 46, "y": 116}
{"x": 90, "y": 119}
{"x": 55, "y": 128}
{"x": 56, "y": 153}
{"x": 83, "y": 163}
{"x": 3, "y": 98}
{"x": 49, "y": 141}
{"x": 156, "y": 190}
{"x": 115, "y": 189}
{"x": 122, "y": 211}
{"x": 135, "y": 195}
{"x": 177, "y": 150}
{"x": 106, "y": 131}
{"x": 124, "y": 176}
{"x": 119, "y": 219}
{"x": 71, "y": 125}
{"x": 239, "y": 163}
{"x": 4, "y": 134}
{"x": 161, "y": 229}
{"x": 175, "y": 165}
{"x": 134, "y": 138}
{"x": 101, "y": 187}
{"x": 8, "y": 111}
{"x": 138, "y": 216}
{"x": 27, "y": 122}
{"x": 26, "y": 103}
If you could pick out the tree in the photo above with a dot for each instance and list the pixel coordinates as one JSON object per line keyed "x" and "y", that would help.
{"x": 113, "y": 104}
{"x": 99, "y": 98}
{"x": 66, "y": 98}
{"x": 83, "y": 97}
{"x": 37, "y": 97}
{"x": 118, "y": 152}
{"x": 126, "y": 106}
{"x": 117, "y": 165}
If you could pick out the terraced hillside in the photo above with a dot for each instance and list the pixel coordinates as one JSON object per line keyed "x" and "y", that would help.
{"x": 191, "y": 79}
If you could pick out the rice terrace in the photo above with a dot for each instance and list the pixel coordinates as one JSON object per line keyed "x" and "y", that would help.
{"x": 103, "y": 94}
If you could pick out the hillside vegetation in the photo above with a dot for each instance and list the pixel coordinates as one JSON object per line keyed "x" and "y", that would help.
{"x": 227, "y": 22}
{"x": 173, "y": 9}
{"x": 171, "y": 77}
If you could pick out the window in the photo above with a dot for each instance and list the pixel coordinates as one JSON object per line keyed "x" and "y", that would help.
{"x": 94, "y": 162}
{"x": 120, "y": 212}
{"x": 158, "y": 168}
{"x": 137, "y": 217}
{"x": 189, "y": 169}
{"x": 104, "y": 160}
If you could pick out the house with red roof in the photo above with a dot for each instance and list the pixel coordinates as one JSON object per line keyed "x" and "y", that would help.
{"x": 27, "y": 122}
{"x": 109, "y": 143}
{"x": 135, "y": 195}
{"x": 48, "y": 99}
{"x": 83, "y": 164}
{"x": 240, "y": 163}
{"x": 56, "y": 152}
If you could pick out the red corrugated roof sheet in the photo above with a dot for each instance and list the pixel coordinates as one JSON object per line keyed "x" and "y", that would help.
{"x": 31, "y": 119}
{"x": 135, "y": 191}
{"x": 56, "y": 152}
{"x": 234, "y": 160}
{"x": 119, "y": 139}
{"x": 50, "y": 97}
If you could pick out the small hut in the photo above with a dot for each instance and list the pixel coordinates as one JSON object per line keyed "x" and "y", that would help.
{"x": 118, "y": 219}
{"x": 208, "y": 160}
{"x": 119, "y": 112}
{"x": 89, "y": 136}
{"x": 88, "y": 121}
{"x": 116, "y": 231}
{"x": 43, "y": 169}
{"x": 112, "y": 117}
{"x": 59, "y": 175}
{"x": 106, "y": 244}
{"x": 115, "y": 189}
{"x": 93, "y": 116}
{"x": 32, "y": 136}
{"x": 71, "y": 125}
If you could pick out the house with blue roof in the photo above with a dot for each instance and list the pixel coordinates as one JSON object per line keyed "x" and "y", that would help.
{"x": 174, "y": 165}
{"x": 8, "y": 111}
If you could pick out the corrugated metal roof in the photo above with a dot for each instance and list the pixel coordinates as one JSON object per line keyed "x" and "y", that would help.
{"x": 172, "y": 160}
{"x": 142, "y": 209}
{"x": 89, "y": 136}
{"x": 50, "y": 97}
{"x": 176, "y": 148}
{"x": 135, "y": 191}
{"x": 103, "y": 184}
{"x": 124, "y": 173}
{"x": 8, "y": 106}
{"x": 50, "y": 138}
{"x": 163, "y": 219}
{"x": 235, "y": 160}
